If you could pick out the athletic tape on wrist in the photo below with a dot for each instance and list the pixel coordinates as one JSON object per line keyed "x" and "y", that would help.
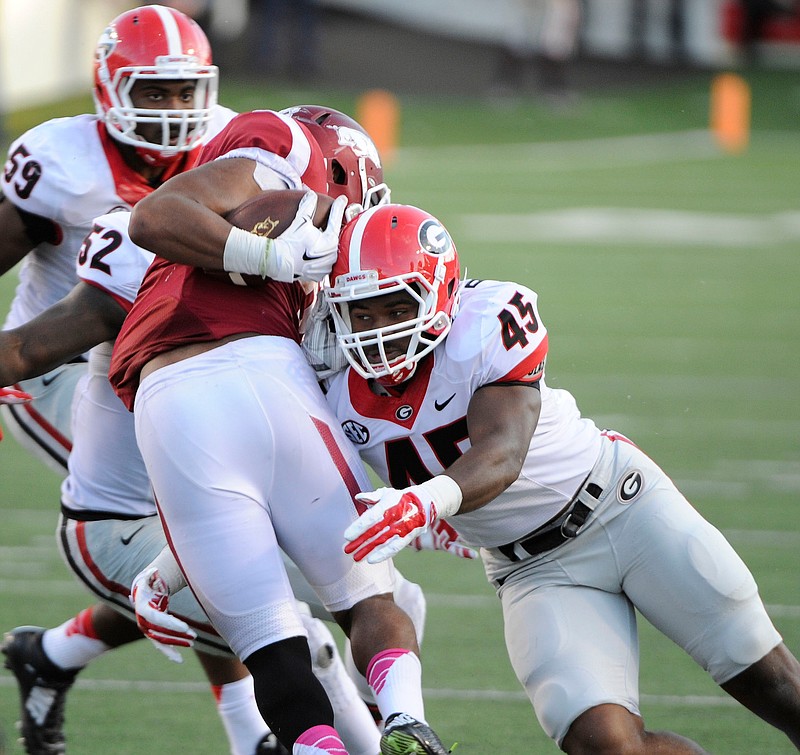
{"x": 169, "y": 570}
{"x": 246, "y": 253}
{"x": 446, "y": 494}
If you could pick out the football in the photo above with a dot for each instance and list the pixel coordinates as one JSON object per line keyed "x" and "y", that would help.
{"x": 269, "y": 214}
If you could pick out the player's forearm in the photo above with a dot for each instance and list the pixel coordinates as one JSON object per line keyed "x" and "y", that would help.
{"x": 183, "y": 221}
{"x": 24, "y": 358}
{"x": 483, "y": 474}
{"x": 14, "y": 242}
{"x": 501, "y": 420}
{"x": 84, "y": 318}
{"x": 11, "y": 367}
{"x": 180, "y": 230}
{"x": 25, "y": 353}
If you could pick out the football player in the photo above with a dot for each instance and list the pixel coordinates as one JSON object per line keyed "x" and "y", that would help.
{"x": 446, "y": 399}
{"x": 239, "y": 444}
{"x": 155, "y": 91}
{"x": 109, "y": 529}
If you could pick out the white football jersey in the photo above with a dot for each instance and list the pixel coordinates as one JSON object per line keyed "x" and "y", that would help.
{"x": 497, "y": 337}
{"x": 61, "y": 171}
{"x": 106, "y": 471}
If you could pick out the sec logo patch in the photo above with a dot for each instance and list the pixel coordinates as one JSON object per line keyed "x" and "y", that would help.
{"x": 630, "y": 486}
{"x": 356, "y": 432}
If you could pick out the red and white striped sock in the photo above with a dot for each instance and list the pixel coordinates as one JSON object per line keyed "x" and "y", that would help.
{"x": 74, "y": 643}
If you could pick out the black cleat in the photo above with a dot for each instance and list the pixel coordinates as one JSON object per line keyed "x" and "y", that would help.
{"x": 404, "y": 735}
{"x": 271, "y": 746}
{"x": 43, "y": 689}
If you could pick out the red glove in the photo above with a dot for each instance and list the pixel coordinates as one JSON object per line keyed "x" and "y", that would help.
{"x": 150, "y": 593}
{"x": 14, "y": 396}
{"x": 442, "y": 537}
{"x": 396, "y": 517}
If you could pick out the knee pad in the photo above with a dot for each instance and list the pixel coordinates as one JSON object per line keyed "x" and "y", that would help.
{"x": 320, "y": 640}
{"x": 409, "y": 596}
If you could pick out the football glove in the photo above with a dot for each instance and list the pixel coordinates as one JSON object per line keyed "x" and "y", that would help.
{"x": 304, "y": 251}
{"x": 442, "y": 537}
{"x": 14, "y": 396}
{"x": 319, "y": 341}
{"x": 301, "y": 252}
{"x": 150, "y": 599}
{"x": 396, "y": 517}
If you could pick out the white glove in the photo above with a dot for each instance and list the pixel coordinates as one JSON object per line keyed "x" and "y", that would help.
{"x": 396, "y": 517}
{"x": 303, "y": 250}
{"x": 440, "y": 536}
{"x": 14, "y": 396}
{"x": 150, "y": 599}
{"x": 319, "y": 342}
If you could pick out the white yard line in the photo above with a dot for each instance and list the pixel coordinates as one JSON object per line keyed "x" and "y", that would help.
{"x": 603, "y": 224}
{"x": 568, "y": 155}
{"x": 633, "y": 226}
{"x": 169, "y": 687}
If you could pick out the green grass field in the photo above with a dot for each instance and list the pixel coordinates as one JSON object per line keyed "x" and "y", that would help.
{"x": 668, "y": 275}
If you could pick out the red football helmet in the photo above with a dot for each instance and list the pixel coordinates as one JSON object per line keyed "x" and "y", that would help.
{"x": 351, "y": 158}
{"x": 384, "y": 250}
{"x": 156, "y": 43}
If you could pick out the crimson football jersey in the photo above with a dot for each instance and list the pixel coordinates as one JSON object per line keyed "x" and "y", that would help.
{"x": 179, "y": 304}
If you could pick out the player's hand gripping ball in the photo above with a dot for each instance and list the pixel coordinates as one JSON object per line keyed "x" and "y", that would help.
{"x": 270, "y": 214}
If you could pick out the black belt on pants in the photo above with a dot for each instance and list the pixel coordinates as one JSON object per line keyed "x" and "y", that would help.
{"x": 564, "y": 527}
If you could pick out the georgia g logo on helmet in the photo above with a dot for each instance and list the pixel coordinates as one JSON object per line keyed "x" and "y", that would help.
{"x": 106, "y": 45}
{"x": 434, "y": 239}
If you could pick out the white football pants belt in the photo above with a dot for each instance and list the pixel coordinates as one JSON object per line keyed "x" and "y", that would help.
{"x": 564, "y": 526}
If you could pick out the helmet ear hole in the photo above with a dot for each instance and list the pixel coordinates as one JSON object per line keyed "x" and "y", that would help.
{"x": 353, "y": 164}
{"x": 338, "y": 173}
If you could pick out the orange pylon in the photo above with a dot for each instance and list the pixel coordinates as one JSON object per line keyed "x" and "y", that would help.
{"x": 378, "y": 111}
{"x": 730, "y": 112}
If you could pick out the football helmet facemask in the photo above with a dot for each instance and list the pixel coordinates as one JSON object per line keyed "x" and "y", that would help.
{"x": 154, "y": 42}
{"x": 384, "y": 250}
{"x": 351, "y": 158}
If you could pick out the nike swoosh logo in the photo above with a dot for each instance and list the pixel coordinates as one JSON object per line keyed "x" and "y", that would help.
{"x": 444, "y": 403}
{"x": 126, "y": 540}
{"x": 47, "y": 379}
{"x": 306, "y": 258}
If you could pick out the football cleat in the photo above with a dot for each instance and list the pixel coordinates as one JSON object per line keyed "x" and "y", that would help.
{"x": 270, "y": 745}
{"x": 42, "y": 691}
{"x": 404, "y": 735}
